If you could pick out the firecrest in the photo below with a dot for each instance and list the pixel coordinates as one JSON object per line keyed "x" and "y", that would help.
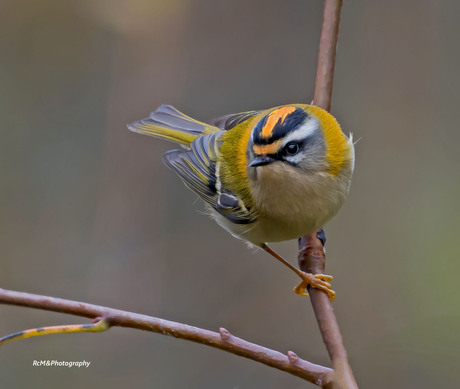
{"x": 265, "y": 176}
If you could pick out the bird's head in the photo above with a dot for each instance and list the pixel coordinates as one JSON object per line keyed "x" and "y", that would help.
{"x": 304, "y": 137}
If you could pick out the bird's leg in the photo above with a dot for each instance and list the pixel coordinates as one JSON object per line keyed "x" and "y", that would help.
{"x": 98, "y": 325}
{"x": 321, "y": 235}
{"x": 318, "y": 281}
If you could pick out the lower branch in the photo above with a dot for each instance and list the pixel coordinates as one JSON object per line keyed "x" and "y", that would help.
{"x": 223, "y": 340}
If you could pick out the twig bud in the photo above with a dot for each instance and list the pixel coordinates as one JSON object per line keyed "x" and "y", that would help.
{"x": 293, "y": 357}
{"x": 224, "y": 334}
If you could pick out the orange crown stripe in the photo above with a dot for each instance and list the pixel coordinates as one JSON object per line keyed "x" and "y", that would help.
{"x": 272, "y": 148}
{"x": 273, "y": 118}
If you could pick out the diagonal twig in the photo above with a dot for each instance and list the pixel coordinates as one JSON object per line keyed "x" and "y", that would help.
{"x": 223, "y": 339}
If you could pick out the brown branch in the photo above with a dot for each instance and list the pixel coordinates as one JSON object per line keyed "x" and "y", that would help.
{"x": 326, "y": 55}
{"x": 312, "y": 258}
{"x": 223, "y": 340}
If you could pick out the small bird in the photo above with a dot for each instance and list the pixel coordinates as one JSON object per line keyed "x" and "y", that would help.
{"x": 265, "y": 176}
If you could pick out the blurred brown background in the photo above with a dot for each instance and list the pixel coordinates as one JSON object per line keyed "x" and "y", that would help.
{"x": 88, "y": 211}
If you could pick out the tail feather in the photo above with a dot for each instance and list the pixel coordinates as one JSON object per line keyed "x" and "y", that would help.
{"x": 170, "y": 124}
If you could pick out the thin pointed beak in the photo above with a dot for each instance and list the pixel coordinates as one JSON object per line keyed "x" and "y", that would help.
{"x": 261, "y": 160}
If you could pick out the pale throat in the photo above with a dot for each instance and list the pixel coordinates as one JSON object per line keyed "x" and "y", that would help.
{"x": 281, "y": 191}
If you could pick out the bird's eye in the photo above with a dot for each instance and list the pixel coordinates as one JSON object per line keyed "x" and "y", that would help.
{"x": 292, "y": 148}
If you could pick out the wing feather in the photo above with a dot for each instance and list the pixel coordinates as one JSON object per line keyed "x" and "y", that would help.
{"x": 227, "y": 122}
{"x": 168, "y": 123}
{"x": 197, "y": 169}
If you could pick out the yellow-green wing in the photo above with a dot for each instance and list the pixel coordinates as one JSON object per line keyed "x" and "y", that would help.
{"x": 197, "y": 169}
{"x": 197, "y": 166}
{"x": 168, "y": 123}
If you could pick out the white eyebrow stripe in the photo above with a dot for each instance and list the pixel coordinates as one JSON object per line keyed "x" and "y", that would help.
{"x": 306, "y": 129}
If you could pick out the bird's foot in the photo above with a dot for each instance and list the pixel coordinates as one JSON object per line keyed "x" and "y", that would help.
{"x": 318, "y": 281}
